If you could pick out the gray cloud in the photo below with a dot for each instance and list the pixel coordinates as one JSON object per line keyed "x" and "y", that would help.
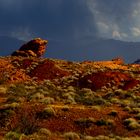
{"x": 118, "y": 15}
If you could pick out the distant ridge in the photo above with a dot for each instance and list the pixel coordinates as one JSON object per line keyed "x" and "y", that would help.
{"x": 95, "y": 49}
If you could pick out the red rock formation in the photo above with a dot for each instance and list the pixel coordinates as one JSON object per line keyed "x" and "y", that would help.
{"x": 34, "y": 48}
{"x": 118, "y": 60}
{"x": 48, "y": 70}
{"x": 97, "y": 80}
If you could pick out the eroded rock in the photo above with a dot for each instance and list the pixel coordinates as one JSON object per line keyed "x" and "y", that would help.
{"x": 34, "y": 48}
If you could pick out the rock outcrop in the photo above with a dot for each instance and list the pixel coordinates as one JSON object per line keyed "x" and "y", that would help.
{"x": 34, "y": 48}
{"x": 118, "y": 60}
{"x": 97, "y": 80}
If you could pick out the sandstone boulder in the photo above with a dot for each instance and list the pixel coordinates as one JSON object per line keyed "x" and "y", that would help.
{"x": 34, "y": 48}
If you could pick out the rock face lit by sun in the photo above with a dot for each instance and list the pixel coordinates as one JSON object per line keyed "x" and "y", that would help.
{"x": 34, "y": 48}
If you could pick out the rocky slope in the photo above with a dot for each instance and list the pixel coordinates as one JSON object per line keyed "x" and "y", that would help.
{"x": 42, "y": 98}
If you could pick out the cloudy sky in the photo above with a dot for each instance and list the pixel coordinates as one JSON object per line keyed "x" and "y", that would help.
{"x": 70, "y": 19}
{"x": 76, "y": 29}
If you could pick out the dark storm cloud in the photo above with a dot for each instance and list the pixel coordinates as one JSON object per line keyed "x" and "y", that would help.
{"x": 70, "y": 19}
{"x": 70, "y": 26}
{"x": 55, "y": 19}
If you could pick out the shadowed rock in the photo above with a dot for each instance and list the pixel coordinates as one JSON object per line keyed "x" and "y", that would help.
{"x": 34, "y": 48}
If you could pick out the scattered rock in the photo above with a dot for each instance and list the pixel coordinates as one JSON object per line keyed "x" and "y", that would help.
{"x": 34, "y": 48}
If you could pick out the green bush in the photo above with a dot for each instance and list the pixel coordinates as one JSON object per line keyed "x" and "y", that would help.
{"x": 71, "y": 136}
{"x": 104, "y": 122}
{"x": 131, "y": 123}
{"x": 12, "y": 136}
{"x": 85, "y": 122}
{"x": 46, "y": 113}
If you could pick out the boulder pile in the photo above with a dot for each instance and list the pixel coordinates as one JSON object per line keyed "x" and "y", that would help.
{"x": 34, "y": 48}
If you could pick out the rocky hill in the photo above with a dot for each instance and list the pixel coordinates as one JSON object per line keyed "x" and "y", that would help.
{"x": 51, "y": 99}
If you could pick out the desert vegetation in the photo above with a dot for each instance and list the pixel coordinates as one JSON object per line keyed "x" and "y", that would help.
{"x": 44, "y": 99}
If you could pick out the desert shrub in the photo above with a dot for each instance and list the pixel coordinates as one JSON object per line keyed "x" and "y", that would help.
{"x": 70, "y": 100}
{"x": 101, "y": 122}
{"x": 46, "y": 113}
{"x": 42, "y": 134}
{"x": 48, "y": 85}
{"x": 101, "y": 137}
{"x": 109, "y": 95}
{"x": 27, "y": 126}
{"x": 4, "y": 116}
{"x": 13, "y": 105}
{"x": 127, "y": 108}
{"x": 12, "y": 99}
{"x": 115, "y": 101}
{"x": 85, "y": 122}
{"x": 71, "y": 136}
{"x": 135, "y": 110}
{"x": 3, "y": 89}
{"x": 71, "y": 89}
{"x": 12, "y": 136}
{"x": 99, "y": 101}
{"x": 68, "y": 97}
{"x": 3, "y": 79}
{"x": 44, "y": 131}
{"x": 90, "y": 100}
{"x": 131, "y": 123}
{"x": 67, "y": 94}
{"x": 104, "y": 122}
{"x": 88, "y": 138}
{"x": 86, "y": 91}
{"x": 96, "y": 108}
{"x": 18, "y": 90}
{"x": 126, "y": 102}
{"x": 37, "y": 96}
{"x": 113, "y": 113}
{"x": 137, "y": 99}
{"x": 138, "y": 116}
{"x": 47, "y": 100}
{"x": 27, "y": 123}
{"x": 65, "y": 108}
{"x": 120, "y": 92}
